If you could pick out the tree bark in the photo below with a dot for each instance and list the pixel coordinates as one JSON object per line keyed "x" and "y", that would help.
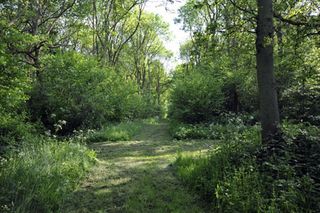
{"x": 269, "y": 112}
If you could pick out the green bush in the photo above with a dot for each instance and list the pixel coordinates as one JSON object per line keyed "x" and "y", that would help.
{"x": 291, "y": 164}
{"x": 40, "y": 175}
{"x": 241, "y": 190}
{"x": 14, "y": 130}
{"x": 189, "y": 131}
{"x": 123, "y": 131}
{"x": 241, "y": 175}
{"x": 15, "y": 78}
{"x": 15, "y": 82}
{"x": 77, "y": 90}
{"x": 205, "y": 173}
{"x": 195, "y": 98}
{"x": 301, "y": 101}
{"x": 225, "y": 127}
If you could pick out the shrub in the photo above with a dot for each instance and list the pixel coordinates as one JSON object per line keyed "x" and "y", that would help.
{"x": 241, "y": 190}
{"x": 241, "y": 175}
{"x": 225, "y": 127}
{"x": 291, "y": 164}
{"x": 203, "y": 173}
{"x": 301, "y": 102}
{"x": 40, "y": 176}
{"x": 189, "y": 131}
{"x": 15, "y": 82}
{"x": 14, "y": 130}
{"x": 76, "y": 89}
{"x": 195, "y": 98}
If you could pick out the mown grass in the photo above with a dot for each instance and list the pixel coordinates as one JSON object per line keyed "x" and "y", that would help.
{"x": 158, "y": 190}
{"x": 138, "y": 175}
{"x": 40, "y": 175}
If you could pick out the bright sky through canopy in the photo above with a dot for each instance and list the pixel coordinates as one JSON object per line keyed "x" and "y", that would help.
{"x": 168, "y": 13}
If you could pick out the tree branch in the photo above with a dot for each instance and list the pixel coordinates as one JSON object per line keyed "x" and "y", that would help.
{"x": 296, "y": 22}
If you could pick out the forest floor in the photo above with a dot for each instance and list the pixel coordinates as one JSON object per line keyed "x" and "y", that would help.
{"x": 138, "y": 175}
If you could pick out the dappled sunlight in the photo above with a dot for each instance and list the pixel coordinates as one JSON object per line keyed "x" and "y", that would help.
{"x": 125, "y": 168}
{"x": 143, "y": 105}
{"x": 149, "y": 148}
{"x": 120, "y": 181}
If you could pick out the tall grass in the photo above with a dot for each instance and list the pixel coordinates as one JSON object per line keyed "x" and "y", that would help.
{"x": 241, "y": 175}
{"x": 206, "y": 172}
{"x": 40, "y": 175}
{"x": 123, "y": 131}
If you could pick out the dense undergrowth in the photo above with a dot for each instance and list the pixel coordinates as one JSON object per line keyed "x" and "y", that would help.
{"x": 41, "y": 174}
{"x": 223, "y": 127}
{"x": 242, "y": 175}
{"x": 70, "y": 66}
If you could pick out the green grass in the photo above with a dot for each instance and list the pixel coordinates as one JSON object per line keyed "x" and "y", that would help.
{"x": 123, "y": 131}
{"x": 241, "y": 175}
{"x": 150, "y": 171}
{"x": 138, "y": 176}
{"x": 225, "y": 178}
{"x": 159, "y": 191}
{"x": 212, "y": 131}
{"x": 40, "y": 176}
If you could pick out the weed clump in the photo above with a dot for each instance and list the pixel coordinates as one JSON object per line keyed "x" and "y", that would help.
{"x": 40, "y": 175}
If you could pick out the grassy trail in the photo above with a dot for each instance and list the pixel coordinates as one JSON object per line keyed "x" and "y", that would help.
{"x": 137, "y": 176}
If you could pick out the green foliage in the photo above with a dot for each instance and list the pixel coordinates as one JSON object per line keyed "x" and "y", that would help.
{"x": 291, "y": 163}
{"x": 76, "y": 89}
{"x": 14, "y": 83}
{"x": 243, "y": 176}
{"x": 115, "y": 132}
{"x": 13, "y": 130}
{"x": 206, "y": 174}
{"x": 65, "y": 74}
{"x": 302, "y": 103}
{"x": 189, "y": 131}
{"x": 40, "y": 176}
{"x": 299, "y": 77}
{"x": 225, "y": 44}
{"x": 195, "y": 98}
{"x": 224, "y": 127}
{"x": 241, "y": 190}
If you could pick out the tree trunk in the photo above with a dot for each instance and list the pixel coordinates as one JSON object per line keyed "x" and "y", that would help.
{"x": 269, "y": 112}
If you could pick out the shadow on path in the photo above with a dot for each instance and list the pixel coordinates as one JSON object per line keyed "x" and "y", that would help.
{"x": 137, "y": 176}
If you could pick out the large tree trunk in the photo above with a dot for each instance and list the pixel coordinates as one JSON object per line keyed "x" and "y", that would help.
{"x": 269, "y": 112}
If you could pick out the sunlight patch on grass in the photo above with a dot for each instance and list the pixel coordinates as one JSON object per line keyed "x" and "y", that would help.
{"x": 120, "y": 181}
{"x": 159, "y": 191}
{"x": 102, "y": 191}
{"x": 137, "y": 176}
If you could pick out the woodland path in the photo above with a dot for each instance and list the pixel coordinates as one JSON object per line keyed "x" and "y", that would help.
{"x": 137, "y": 176}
